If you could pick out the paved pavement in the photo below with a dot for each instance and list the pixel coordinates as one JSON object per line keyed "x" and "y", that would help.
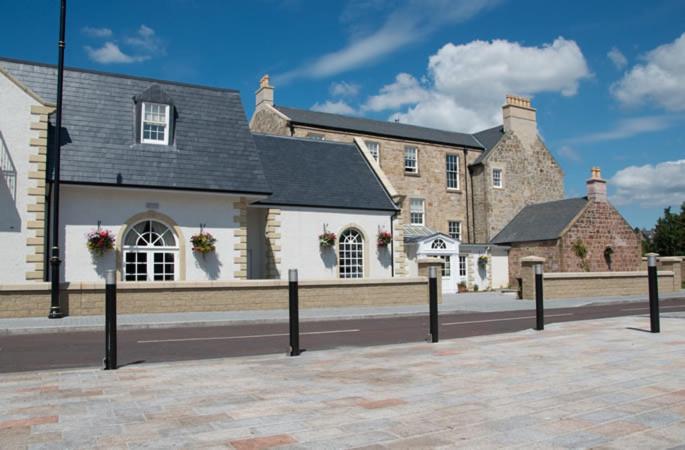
{"x": 470, "y": 302}
{"x": 601, "y": 384}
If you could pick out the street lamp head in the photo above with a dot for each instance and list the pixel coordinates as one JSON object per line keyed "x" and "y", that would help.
{"x": 538, "y": 269}
{"x": 432, "y": 272}
{"x": 651, "y": 259}
{"x": 292, "y": 275}
{"x": 110, "y": 276}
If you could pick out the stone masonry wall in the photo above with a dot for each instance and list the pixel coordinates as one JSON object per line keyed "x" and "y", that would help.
{"x": 530, "y": 175}
{"x": 550, "y": 250}
{"x": 601, "y": 226}
{"x": 269, "y": 122}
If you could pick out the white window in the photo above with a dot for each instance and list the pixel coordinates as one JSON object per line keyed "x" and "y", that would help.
{"x": 416, "y": 211}
{"x": 351, "y": 254}
{"x": 452, "y": 167}
{"x": 411, "y": 163}
{"x": 150, "y": 253}
{"x": 439, "y": 244}
{"x": 446, "y": 268}
{"x": 497, "y": 178}
{"x": 454, "y": 229}
{"x": 316, "y": 136}
{"x": 462, "y": 266}
{"x": 155, "y": 126}
{"x": 374, "y": 149}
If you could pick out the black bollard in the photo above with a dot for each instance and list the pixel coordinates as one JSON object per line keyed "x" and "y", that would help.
{"x": 433, "y": 302}
{"x": 294, "y": 313}
{"x": 539, "y": 306}
{"x": 110, "y": 320}
{"x": 653, "y": 293}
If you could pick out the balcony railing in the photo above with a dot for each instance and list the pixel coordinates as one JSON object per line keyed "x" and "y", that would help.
{"x": 9, "y": 172}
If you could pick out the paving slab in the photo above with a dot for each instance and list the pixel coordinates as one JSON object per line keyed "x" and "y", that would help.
{"x": 598, "y": 384}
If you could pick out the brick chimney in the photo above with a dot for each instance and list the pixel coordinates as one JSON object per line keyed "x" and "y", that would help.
{"x": 520, "y": 117}
{"x": 265, "y": 93}
{"x": 596, "y": 186}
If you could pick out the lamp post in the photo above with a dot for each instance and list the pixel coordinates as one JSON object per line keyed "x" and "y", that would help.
{"x": 55, "y": 261}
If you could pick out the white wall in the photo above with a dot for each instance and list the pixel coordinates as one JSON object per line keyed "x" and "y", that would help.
{"x": 83, "y": 206}
{"x": 15, "y": 122}
{"x": 300, "y": 230}
{"x": 500, "y": 270}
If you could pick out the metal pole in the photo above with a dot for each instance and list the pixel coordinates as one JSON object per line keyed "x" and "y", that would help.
{"x": 433, "y": 302}
{"x": 110, "y": 320}
{"x": 539, "y": 307}
{"x": 55, "y": 261}
{"x": 294, "y": 313}
{"x": 653, "y": 293}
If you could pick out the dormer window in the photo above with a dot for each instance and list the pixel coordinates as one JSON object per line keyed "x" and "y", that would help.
{"x": 155, "y": 126}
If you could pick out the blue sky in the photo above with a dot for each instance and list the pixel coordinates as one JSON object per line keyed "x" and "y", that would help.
{"x": 607, "y": 78}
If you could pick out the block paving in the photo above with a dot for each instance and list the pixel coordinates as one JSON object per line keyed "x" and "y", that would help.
{"x": 604, "y": 384}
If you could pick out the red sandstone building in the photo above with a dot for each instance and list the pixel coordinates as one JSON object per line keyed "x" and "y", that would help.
{"x": 573, "y": 235}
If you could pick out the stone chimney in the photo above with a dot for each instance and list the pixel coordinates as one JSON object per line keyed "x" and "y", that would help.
{"x": 265, "y": 93}
{"x": 520, "y": 117}
{"x": 596, "y": 186}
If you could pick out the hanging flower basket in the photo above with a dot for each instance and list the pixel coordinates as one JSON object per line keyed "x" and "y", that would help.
{"x": 384, "y": 238}
{"x": 203, "y": 242}
{"x": 483, "y": 261}
{"x": 327, "y": 239}
{"x": 99, "y": 241}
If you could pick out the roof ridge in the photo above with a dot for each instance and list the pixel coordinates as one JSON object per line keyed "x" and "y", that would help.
{"x": 118, "y": 75}
{"x": 302, "y": 138}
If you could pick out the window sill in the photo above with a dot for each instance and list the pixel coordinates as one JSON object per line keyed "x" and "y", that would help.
{"x": 412, "y": 174}
{"x": 454, "y": 190}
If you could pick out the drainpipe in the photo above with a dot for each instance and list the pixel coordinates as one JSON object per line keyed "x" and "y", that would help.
{"x": 55, "y": 310}
{"x": 467, "y": 176}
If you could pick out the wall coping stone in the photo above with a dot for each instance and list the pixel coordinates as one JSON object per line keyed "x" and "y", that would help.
{"x": 80, "y": 286}
{"x": 562, "y": 275}
{"x": 532, "y": 259}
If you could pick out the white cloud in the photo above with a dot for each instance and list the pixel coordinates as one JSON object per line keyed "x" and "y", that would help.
{"x": 570, "y": 153}
{"x": 659, "y": 79}
{"x": 627, "y": 128}
{"x": 467, "y": 83}
{"x": 618, "y": 58}
{"x": 334, "y": 107}
{"x": 146, "y": 40}
{"x": 97, "y": 32}
{"x": 405, "y": 90}
{"x": 407, "y": 23}
{"x": 344, "y": 89}
{"x": 650, "y": 185}
{"x": 110, "y": 53}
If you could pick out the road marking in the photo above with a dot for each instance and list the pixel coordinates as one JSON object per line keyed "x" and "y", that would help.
{"x": 647, "y": 308}
{"x": 502, "y": 320}
{"x": 219, "y": 338}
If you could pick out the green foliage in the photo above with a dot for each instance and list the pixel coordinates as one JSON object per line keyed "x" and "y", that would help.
{"x": 669, "y": 233}
{"x": 580, "y": 250}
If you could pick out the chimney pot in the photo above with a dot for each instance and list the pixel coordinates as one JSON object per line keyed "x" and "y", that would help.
{"x": 596, "y": 186}
{"x": 265, "y": 94}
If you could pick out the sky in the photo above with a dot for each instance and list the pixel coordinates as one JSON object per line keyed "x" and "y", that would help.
{"x": 607, "y": 78}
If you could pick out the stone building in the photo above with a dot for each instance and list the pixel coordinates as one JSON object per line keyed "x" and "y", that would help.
{"x": 573, "y": 235}
{"x": 466, "y": 186}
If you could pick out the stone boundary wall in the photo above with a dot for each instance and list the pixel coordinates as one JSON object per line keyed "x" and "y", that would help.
{"x": 83, "y": 299}
{"x": 595, "y": 284}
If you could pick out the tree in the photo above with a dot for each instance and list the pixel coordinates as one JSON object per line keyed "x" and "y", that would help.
{"x": 669, "y": 233}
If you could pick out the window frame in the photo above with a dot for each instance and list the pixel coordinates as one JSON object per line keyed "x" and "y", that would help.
{"x": 454, "y": 171}
{"x": 422, "y": 212}
{"x": 463, "y": 262}
{"x": 357, "y": 262}
{"x": 451, "y": 234}
{"x": 415, "y": 170}
{"x": 166, "y": 124}
{"x": 150, "y": 252}
{"x": 377, "y": 156}
{"x": 501, "y": 178}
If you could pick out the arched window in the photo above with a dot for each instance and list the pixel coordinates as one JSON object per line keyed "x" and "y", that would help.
{"x": 150, "y": 252}
{"x": 351, "y": 252}
{"x": 439, "y": 244}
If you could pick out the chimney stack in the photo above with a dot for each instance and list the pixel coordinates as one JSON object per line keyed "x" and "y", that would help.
{"x": 596, "y": 186}
{"x": 265, "y": 93}
{"x": 519, "y": 116}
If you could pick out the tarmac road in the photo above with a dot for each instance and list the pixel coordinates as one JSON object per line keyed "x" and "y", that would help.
{"x": 86, "y": 349}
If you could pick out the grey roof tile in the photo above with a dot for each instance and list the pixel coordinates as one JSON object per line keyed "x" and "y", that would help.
{"x": 213, "y": 148}
{"x": 540, "y": 222}
{"x": 379, "y": 127}
{"x": 323, "y": 174}
{"x": 489, "y": 138}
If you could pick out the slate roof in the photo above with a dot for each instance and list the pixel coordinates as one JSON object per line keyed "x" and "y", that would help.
{"x": 540, "y": 222}
{"x": 488, "y": 138}
{"x": 213, "y": 148}
{"x": 379, "y": 127}
{"x": 320, "y": 174}
{"x": 414, "y": 233}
